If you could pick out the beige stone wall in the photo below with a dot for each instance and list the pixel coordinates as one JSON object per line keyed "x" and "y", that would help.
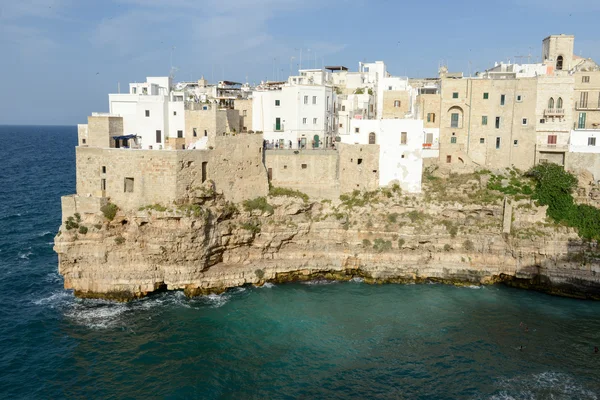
{"x": 314, "y": 172}
{"x": 174, "y": 143}
{"x": 81, "y": 204}
{"x": 429, "y": 104}
{"x": 591, "y": 87}
{"x": 165, "y": 176}
{"x": 389, "y": 97}
{"x": 101, "y": 129}
{"x": 584, "y": 162}
{"x": 244, "y": 107}
{"x": 476, "y": 140}
{"x": 210, "y": 123}
{"x": 352, "y": 175}
{"x": 82, "y": 134}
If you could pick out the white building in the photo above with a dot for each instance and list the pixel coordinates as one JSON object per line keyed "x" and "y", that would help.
{"x": 584, "y": 141}
{"x": 353, "y": 106}
{"x": 300, "y": 114}
{"x": 400, "y": 149}
{"x": 150, "y": 111}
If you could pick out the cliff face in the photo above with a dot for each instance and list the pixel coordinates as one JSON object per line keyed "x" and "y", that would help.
{"x": 209, "y": 245}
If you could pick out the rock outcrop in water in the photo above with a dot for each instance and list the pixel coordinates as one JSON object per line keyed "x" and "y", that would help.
{"x": 459, "y": 234}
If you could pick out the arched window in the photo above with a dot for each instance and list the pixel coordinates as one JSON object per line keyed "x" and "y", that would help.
{"x": 559, "y": 103}
{"x": 559, "y": 62}
{"x": 372, "y": 138}
{"x": 551, "y": 103}
{"x": 456, "y": 117}
{"x": 396, "y": 103}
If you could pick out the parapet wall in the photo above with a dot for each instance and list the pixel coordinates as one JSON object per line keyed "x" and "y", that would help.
{"x": 134, "y": 178}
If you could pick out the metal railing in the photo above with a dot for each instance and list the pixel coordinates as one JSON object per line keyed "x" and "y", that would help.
{"x": 587, "y": 105}
{"x": 278, "y": 128}
{"x": 554, "y": 112}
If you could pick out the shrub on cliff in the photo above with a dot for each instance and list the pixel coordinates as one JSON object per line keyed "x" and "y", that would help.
{"x": 253, "y": 227}
{"x": 259, "y": 203}
{"x": 83, "y": 229}
{"x": 380, "y": 245}
{"x": 279, "y": 191}
{"x": 109, "y": 210}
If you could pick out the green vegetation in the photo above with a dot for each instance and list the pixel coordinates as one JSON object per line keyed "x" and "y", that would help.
{"x": 359, "y": 91}
{"x": 358, "y": 198}
{"x": 119, "y": 240}
{"x": 554, "y": 187}
{"x": 253, "y": 227}
{"x": 189, "y": 210}
{"x": 468, "y": 245}
{"x": 401, "y": 243}
{"x": 279, "y": 191}
{"x": 392, "y": 218}
{"x": 514, "y": 184}
{"x": 83, "y": 229}
{"x": 73, "y": 221}
{"x": 98, "y": 226}
{"x": 259, "y": 273}
{"x": 415, "y": 216}
{"x": 366, "y": 243}
{"x": 155, "y": 207}
{"x": 447, "y": 247}
{"x": 380, "y": 245}
{"x": 259, "y": 203}
{"x": 109, "y": 210}
{"x": 450, "y": 227}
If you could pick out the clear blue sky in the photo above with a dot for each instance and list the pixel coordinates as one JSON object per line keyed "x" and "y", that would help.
{"x": 60, "y": 58}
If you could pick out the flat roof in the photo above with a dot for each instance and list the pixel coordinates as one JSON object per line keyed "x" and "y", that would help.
{"x": 336, "y": 68}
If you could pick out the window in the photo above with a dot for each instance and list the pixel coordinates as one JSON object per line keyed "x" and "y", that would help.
{"x": 581, "y": 121}
{"x": 359, "y": 161}
{"x": 305, "y": 99}
{"x": 389, "y": 88}
{"x": 524, "y": 121}
{"x": 448, "y": 159}
{"x": 304, "y": 166}
{"x": 204, "y": 172}
{"x": 133, "y": 90}
{"x": 195, "y": 132}
{"x": 583, "y": 100}
{"x": 430, "y": 117}
{"x": 343, "y": 108}
{"x": 486, "y": 96}
{"x": 591, "y": 141}
{"x": 481, "y": 140}
{"x": 396, "y": 103}
{"x": 551, "y": 103}
{"x": 205, "y": 132}
{"x": 244, "y": 113}
{"x": 585, "y": 79}
{"x": 519, "y": 98}
{"x": 356, "y": 130}
{"x": 559, "y": 103}
{"x": 559, "y": 63}
{"x": 314, "y": 99}
{"x": 327, "y": 103}
{"x": 454, "y": 120}
{"x": 278, "y": 103}
{"x": 515, "y": 143}
{"x": 158, "y": 136}
{"x": 174, "y": 112}
{"x": 403, "y": 138}
{"x": 103, "y": 169}
{"x": 303, "y": 121}
{"x": 83, "y": 141}
{"x": 102, "y": 184}
{"x": 179, "y": 134}
{"x": 497, "y": 122}
{"x": 484, "y": 120}
{"x": 147, "y": 113}
{"x": 542, "y": 121}
{"x": 341, "y": 126}
{"x": 502, "y": 99}
{"x": 128, "y": 185}
{"x": 497, "y": 143}
{"x": 429, "y": 138}
{"x": 552, "y": 139}
{"x": 455, "y": 95}
{"x": 314, "y": 121}
{"x": 372, "y": 138}
{"x": 453, "y": 140}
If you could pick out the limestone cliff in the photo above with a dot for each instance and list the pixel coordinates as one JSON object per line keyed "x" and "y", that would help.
{"x": 457, "y": 234}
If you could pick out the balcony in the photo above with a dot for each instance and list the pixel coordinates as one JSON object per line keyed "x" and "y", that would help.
{"x": 587, "y": 106}
{"x": 278, "y": 128}
{"x": 553, "y": 148}
{"x": 431, "y": 146}
{"x": 554, "y": 112}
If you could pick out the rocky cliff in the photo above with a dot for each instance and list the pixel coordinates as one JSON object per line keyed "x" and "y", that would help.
{"x": 456, "y": 232}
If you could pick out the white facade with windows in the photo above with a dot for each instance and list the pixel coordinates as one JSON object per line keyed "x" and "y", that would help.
{"x": 584, "y": 141}
{"x": 400, "y": 149}
{"x": 294, "y": 115}
{"x": 149, "y": 112}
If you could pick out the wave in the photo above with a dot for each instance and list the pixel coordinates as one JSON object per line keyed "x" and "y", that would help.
{"x": 549, "y": 384}
{"x": 25, "y": 256}
{"x": 45, "y": 233}
{"x": 319, "y": 282}
{"x": 357, "y": 280}
{"x": 267, "y": 285}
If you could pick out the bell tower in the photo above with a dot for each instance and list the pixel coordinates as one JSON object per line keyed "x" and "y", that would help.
{"x": 557, "y": 51}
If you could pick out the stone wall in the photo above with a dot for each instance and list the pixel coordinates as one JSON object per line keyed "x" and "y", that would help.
{"x": 82, "y": 134}
{"x": 81, "y": 204}
{"x": 101, "y": 129}
{"x": 135, "y": 178}
{"x": 389, "y": 109}
{"x": 584, "y": 161}
{"x": 244, "y": 107}
{"x": 358, "y": 167}
{"x": 314, "y": 172}
{"x": 209, "y": 123}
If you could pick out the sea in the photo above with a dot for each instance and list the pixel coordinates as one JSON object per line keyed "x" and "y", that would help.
{"x": 314, "y": 340}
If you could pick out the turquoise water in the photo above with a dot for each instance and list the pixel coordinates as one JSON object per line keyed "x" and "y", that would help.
{"x": 317, "y": 340}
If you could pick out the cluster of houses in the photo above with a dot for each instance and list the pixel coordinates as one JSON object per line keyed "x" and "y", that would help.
{"x": 509, "y": 115}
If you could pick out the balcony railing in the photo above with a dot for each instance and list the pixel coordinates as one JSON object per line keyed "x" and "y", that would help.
{"x": 552, "y": 147}
{"x": 277, "y": 128}
{"x": 587, "y": 105}
{"x": 430, "y": 146}
{"x": 554, "y": 112}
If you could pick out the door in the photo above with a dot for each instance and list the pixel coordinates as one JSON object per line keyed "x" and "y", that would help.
{"x": 277, "y": 124}
{"x": 316, "y": 139}
{"x": 303, "y": 143}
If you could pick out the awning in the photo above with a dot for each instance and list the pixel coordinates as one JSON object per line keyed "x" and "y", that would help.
{"x": 124, "y": 137}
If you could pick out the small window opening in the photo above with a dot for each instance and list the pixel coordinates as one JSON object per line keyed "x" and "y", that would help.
{"x": 103, "y": 169}
{"x": 128, "y": 185}
{"x": 204, "y": 173}
{"x": 304, "y": 166}
{"x": 359, "y": 161}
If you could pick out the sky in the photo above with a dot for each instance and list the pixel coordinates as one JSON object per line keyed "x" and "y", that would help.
{"x": 59, "y": 59}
